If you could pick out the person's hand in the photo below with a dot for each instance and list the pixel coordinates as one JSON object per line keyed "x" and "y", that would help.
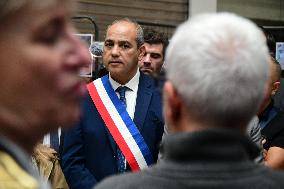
{"x": 264, "y": 151}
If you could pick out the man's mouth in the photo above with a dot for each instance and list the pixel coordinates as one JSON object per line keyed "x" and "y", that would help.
{"x": 115, "y": 62}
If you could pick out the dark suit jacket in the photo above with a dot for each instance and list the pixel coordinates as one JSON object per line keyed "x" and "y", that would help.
{"x": 89, "y": 151}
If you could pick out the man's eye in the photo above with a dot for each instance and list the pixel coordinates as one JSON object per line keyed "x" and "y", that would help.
{"x": 125, "y": 46}
{"x": 108, "y": 45}
{"x": 155, "y": 56}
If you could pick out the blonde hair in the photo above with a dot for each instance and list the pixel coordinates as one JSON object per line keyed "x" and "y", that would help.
{"x": 10, "y": 7}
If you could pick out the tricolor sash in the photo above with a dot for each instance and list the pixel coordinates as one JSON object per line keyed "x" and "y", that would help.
{"x": 122, "y": 128}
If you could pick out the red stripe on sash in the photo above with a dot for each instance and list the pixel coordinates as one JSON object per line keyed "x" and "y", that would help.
{"x": 112, "y": 127}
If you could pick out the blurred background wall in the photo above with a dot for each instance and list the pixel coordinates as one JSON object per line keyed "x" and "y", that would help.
{"x": 165, "y": 15}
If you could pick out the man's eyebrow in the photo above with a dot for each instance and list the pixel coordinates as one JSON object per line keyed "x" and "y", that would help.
{"x": 156, "y": 54}
{"x": 108, "y": 40}
{"x": 124, "y": 41}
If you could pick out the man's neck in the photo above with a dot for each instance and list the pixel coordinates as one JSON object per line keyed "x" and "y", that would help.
{"x": 122, "y": 80}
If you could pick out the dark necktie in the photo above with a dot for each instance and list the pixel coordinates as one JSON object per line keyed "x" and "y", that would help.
{"x": 54, "y": 140}
{"x": 120, "y": 157}
{"x": 121, "y": 91}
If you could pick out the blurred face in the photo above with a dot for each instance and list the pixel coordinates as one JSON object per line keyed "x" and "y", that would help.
{"x": 152, "y": 60}
{"x": 272, "y": 86}
{"x": 40, "y": 59}
{"x": 121, "y": 53}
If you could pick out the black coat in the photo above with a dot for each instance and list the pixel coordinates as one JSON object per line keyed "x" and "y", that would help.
{"x": 206, "y": 159}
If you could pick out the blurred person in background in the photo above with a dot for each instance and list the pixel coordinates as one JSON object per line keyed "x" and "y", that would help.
{"x": 46, "y": 162}
{"x": 271, "y": 120}
{"x": 155, "y": 43}
{"x": 278, "y": 97}
{"x": 40, "y": 89}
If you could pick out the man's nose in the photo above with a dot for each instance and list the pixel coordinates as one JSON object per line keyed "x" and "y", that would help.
{"x": 115, "y": 50}
{"x": 147, "y": 59}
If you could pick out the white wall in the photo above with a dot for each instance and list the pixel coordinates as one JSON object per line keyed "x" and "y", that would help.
{"x": 201, "y": 6}
{"x": 256, "y": 9}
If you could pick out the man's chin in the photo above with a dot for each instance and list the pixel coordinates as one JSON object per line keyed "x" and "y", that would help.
{"x": 115, "y": 70}
{"x": 146, "y": 71}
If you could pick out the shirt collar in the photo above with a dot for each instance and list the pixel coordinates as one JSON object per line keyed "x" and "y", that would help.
{"x": 132, "y": 84}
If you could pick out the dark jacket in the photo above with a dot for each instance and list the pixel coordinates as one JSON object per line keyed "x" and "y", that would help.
{"x": 89, "y": 151}
{"x": 205, "y": 159}
{"x": 271, "y": 123}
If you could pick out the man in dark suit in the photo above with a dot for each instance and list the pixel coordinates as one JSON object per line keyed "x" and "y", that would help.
{"x": 271, "y": 120}
{"x": 90, "y": 151}
{"x": 217, "y": 67}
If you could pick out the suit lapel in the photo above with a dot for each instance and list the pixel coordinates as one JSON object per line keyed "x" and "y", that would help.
{"x": 143, "y": 99}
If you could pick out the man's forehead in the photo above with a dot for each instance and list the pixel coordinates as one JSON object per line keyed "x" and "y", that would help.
{"x": 115, "y": 40}
{"x": 120, "y": 37}
{"x": 157, "y": 47}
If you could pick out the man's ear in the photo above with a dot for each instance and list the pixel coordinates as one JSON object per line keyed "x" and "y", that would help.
{"x": 142, "y": 51}
{"x": 172, "y": 106}
{"x": 275, "y": 87}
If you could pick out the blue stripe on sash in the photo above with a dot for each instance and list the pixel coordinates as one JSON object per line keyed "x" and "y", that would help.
{"x": 128, "y": 121}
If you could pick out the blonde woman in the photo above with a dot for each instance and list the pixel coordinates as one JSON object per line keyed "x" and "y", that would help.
{"x": 40, "y": 59}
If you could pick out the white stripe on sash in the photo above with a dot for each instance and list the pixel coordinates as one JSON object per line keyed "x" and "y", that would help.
{"x": 121, "y": 126}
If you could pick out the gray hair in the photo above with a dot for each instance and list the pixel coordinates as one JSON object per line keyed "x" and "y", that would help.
{"x": 218, "y": 64}
{"x": 139, "y": 34}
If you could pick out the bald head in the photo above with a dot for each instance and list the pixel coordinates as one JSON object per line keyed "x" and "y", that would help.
{"x": 139, "y": 30}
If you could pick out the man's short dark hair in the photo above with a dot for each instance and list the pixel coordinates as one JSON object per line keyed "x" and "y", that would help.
{"x": 270, "y": 41}
{"x": 278, "y": 68}
{"x": 152, "y": 36}
{"x": 139, "y": 30}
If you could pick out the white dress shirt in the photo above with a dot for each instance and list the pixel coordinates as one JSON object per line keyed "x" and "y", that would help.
{"x": 130, "y": 94}
{"x": 46, "y": 138}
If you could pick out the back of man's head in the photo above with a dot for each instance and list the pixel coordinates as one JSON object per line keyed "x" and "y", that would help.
{"x": 218, "y": 64}
{"x": 273, "y": 84}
